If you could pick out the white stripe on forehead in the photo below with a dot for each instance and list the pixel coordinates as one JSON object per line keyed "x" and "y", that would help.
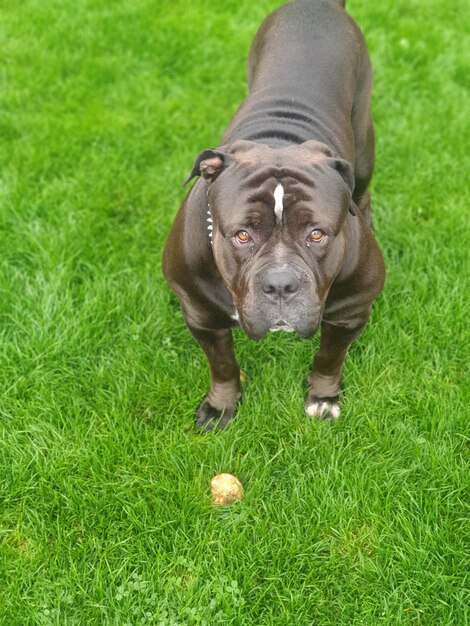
{"x": 278, "y": 206}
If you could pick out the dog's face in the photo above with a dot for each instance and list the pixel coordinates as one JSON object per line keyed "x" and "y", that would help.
{"x": 276, "y": 221}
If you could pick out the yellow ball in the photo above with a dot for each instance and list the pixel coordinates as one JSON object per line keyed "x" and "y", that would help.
{"x": 226, "y": 489}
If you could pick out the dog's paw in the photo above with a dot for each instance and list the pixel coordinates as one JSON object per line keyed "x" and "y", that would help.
{"x": 209, "y": 418}
{"x": 323, "y": 408}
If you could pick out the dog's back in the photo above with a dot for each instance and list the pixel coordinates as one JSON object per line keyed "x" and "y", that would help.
{"x": 307, "y": 66}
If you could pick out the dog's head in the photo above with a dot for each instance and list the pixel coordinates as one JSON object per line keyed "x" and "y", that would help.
{"x": 275, "y": 217}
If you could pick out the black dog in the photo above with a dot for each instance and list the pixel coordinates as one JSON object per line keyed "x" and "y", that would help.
{"x": 276, "y": 234}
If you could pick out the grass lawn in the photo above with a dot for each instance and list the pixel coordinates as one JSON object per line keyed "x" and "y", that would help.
{"x": 105, "y": 515}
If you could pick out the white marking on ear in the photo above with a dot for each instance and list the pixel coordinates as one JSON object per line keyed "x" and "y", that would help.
{"x": 278, "y": 206}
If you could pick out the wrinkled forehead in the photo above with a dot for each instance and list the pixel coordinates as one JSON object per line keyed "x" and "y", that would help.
{"x": 273, "y": 193}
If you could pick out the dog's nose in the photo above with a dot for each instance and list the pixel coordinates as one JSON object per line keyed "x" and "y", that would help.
{"x": 280, "y": 284}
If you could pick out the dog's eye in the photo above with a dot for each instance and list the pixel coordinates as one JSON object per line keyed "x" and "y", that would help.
{"x": 316, "y": 235}
{"x": 242, "y": 236}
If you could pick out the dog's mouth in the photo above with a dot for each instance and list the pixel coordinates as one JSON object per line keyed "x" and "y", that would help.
{"x": 258, "y": 328}
{"x": 281, "y": 325}
{"x": 261, "y": 314}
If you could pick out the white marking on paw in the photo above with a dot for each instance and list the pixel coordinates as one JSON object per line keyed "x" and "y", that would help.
{"x": 323, "y": 409}
{"x": 278, "y": 206}
{"x": 335, "y": 410}
{"x": 236, "y": 317}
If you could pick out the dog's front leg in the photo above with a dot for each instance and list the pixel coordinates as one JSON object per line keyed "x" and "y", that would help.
{"x": 219, "y": 406}
{"x": 325, "y": 379}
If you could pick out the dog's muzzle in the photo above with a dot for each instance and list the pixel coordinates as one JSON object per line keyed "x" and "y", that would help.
{"x": 281, "y": 297}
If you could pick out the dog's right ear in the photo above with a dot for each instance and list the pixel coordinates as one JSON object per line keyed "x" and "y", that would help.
{"x": 208, "y": 164}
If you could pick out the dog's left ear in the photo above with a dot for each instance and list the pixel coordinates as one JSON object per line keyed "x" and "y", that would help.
{"x": 345, "y": 170}
{"x": 208, "y": 164}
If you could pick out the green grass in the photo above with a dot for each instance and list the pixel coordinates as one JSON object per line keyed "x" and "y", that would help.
{"x": 105, "y": 515}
